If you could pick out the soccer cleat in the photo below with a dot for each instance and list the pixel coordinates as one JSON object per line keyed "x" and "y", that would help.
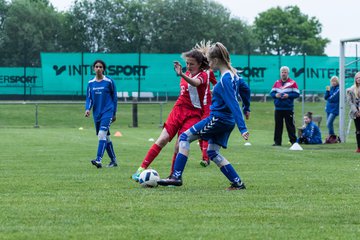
{"x": 236, "y": 186}
{"x": 170, "y": 181}
{"x": 276, "y": 145}
{"x": 205, "y": 163}
{"x": 136, "y": 175}
{"x": 96, "y": 163}
{"x": 358, "y": 150}
{"x": 112, "y": 164}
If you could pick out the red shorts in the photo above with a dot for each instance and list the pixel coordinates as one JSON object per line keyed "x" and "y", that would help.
{"x": 206, "y": 111}
{"x": 181, "y": 119}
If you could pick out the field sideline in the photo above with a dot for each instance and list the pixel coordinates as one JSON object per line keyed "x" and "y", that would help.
{"x": 49, "y": 189}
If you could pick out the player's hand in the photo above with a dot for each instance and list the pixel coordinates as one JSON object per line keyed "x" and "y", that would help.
{"x": 247, "y": 115}
{"x": 87, "y": 113}
{"x": 278, "y": 95}
{"x": 327, "y": 88}
{"x": 245, "y": 135}
{"x": 177, "y": 68}
{"x": 284, "y": 96}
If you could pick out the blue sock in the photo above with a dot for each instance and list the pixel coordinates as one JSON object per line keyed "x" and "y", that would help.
{"x": 110, "y": 151}
{"x": 179, "y": 165}
{"x": 230, "y": 173}
{"x": 101, "y": 150}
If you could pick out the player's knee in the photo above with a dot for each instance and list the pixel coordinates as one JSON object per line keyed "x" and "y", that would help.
{"x": 104, "y": 128}
{"x": 183, "y": 137}
{"x": 184, "y": 145}
{"x": 211, "y": 153}
{"x": 218, "y": 160}
{"x": 102, "y": 135}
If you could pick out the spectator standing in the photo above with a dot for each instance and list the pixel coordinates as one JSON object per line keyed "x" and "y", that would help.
{"x": 353, "y": 97}
{"x": 284, "y": 91}
{"x": 332, "y": 104}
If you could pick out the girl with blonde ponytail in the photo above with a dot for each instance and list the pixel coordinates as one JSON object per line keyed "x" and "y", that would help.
{"x": 353, "y": 97}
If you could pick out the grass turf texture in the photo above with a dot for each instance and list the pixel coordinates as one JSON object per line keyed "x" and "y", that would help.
{"x": 49, "y": 189}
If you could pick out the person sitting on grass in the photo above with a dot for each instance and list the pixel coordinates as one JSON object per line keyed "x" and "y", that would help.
{"x": 310, "y": 133}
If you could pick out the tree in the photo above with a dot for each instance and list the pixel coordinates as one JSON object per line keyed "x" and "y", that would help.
{"x": 287, "y": 32}
{"x": 170, "y": 26}
{"x": 3, "y": 13}
{"x": 29, "y": 28}
{"x": 85, "y": 26}
{"x": 129, "y": 30}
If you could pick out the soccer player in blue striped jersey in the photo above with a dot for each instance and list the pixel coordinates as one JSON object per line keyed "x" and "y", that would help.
{"x": 216, "y": 129}
{"x": 101, "y": 97}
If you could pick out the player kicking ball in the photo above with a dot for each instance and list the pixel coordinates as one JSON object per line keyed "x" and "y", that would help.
{"x": 216, "y": 129}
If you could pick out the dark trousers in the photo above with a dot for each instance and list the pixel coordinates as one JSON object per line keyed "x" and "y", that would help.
{"x": 288, "y": 115}
{"x": 357, "y": 126}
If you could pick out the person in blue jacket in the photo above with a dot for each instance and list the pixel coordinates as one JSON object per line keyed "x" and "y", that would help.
{"x": 310, "y": 133}
{"x": 101, "y": 97}
{"x": 332, "y": 103}
{"x": 216, "y": 129}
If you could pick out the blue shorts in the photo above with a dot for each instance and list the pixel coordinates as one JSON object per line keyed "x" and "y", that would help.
{"x": 213, "y": 130}
{"x": 104, "y": 125}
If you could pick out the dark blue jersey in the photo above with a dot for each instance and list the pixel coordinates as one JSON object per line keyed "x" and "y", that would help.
{"x": 225, "y": 104}
{"x": 312, "y": 133}
{"x": 244, "y": 94}
{"x": 101, "y": 96}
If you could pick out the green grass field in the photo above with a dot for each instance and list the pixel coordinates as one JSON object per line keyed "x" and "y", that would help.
{"x": 49, "y": 189}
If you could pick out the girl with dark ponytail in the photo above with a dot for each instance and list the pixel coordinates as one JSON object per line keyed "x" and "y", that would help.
{"x": 311, "y": 133}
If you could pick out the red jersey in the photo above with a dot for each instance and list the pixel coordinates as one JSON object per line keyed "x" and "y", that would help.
{"x": 190, "y": 96}
{"x": 211, "y": 79}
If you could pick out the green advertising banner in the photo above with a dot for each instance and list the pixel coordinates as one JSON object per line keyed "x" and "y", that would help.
{"x": 69, "y": 73}
{"x": 20, "y": 81}
{"x": 62, "y": 73}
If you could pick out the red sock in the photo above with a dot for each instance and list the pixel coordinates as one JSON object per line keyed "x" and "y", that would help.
{"x": 151, "y": 155}
{"x": 203, "y": 147}
{"x": 172, "y": 164}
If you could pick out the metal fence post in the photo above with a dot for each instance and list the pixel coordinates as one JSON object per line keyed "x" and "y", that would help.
{"x": 36, "y": 117}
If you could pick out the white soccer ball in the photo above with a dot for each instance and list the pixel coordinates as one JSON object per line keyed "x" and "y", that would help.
{"x": 149, "y": 178}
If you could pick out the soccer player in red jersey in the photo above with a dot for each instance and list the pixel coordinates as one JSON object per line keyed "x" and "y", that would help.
{"x": 203, "y": 144}
{"x": 188, "y": 108}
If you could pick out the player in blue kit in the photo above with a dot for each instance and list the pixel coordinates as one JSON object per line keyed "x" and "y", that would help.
{"x": 102, "y": 98}
{"x": 216, "y": 129}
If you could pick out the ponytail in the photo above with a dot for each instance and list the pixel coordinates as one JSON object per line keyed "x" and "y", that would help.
{"x": 219, "y": 51}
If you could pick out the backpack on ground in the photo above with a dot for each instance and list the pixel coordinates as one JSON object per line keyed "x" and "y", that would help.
{"x": 332, "y": 139}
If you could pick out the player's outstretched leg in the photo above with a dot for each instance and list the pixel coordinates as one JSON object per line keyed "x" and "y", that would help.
{"x": 149, "y": 158}
{"x": 176, "y": 178}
